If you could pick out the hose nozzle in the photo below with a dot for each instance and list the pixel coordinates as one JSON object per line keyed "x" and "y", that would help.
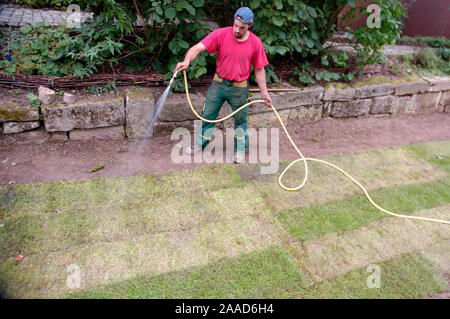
{"x": 173, "y": 78}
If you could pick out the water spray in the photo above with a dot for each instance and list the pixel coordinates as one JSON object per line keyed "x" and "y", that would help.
{"x": 159, "y": 105}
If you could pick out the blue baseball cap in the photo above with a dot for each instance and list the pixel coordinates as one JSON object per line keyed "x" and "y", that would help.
{"x": 244, "y": 15}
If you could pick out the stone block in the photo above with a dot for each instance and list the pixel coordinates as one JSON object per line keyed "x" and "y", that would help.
{"x": 403, "y": 104}
{"x": 109, "y": 133}
{"x": 166, "y": 128}
{"x": 305, "y": 114}
{"x": 383, "y": 104}
{"x": 327, "y": 109}
{"x": 46, "y": 96}
{"x": 17, "y": 113}
{"x": 139, "y": 112}
{"x": 267, "y": 119}
{"x": 436, "y": 83}
{"x": 284, "y": 100}
{"x": 425, "y": 103}
{"x": 18, "y": 127}
{"x": 335, "y": 92}
{"x": 91, "y": 113}
{"x": 69, "y": 98}
{"x": 351, "y": 108}
{"x": 445, "y": 98}
{"x": 411, "y": 88}
{"x": 14, "y": 22}
{"x": 374, "y": 90}
{"x": 36, "y": 136}
{"x": 177, "y": 107}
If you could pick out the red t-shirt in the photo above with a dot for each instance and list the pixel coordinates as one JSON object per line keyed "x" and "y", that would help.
{"x": 234, "y": 58}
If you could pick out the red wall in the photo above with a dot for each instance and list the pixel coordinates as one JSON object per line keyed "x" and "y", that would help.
{"x": 428, "y": 18}
{"x": 425, "y": 18}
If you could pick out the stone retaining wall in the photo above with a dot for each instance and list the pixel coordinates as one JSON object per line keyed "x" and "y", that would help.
{"x": 119, "y": 118}
{"x": 369, "y": 97}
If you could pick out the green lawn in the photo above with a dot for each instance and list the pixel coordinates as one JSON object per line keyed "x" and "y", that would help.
{"x": 226, "y": 231}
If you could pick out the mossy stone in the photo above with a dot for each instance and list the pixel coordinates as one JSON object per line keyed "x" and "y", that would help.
{"x": 17, "y": 113}
{"x": 139, "y": 93}
{"x": 383, "y": 79}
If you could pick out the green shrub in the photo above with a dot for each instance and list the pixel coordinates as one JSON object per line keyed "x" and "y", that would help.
{"x": 441, "y": 44}
{"x": 173, "y": 26}
{"x": 368, "y": 42}
{"x": 426, "y": 63}
{"x": 426, "y": 58}
{"x": 59, "y": 51}
{"x": 33, "y": 99}
{"x": 290, "y": 30}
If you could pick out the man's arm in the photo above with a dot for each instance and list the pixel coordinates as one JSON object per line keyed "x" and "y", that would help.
{"x": 260, "y": 75}
{"x": 190, "y": 56}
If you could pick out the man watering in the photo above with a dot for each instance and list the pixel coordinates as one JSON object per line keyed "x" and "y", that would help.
{"x": 237, "y": 50}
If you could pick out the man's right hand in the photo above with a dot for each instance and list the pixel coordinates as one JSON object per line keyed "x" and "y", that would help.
{"x": 181, "y": 66}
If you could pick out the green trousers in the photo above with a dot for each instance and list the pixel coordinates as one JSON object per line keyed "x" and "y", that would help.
{"x": 236, "y": 94}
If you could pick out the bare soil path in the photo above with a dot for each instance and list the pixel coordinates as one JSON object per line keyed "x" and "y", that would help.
{"x": 28, "y": 162}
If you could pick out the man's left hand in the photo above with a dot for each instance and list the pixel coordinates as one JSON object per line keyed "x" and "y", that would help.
{"x": 267, "y": 99}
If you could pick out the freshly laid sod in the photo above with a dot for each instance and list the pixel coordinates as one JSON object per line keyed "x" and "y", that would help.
{"x": 437, "y": 153}
{"x": 405, "y": 276}
{"x": 272, "y": 274}
{"x": 340, "y": 252}
{"x": 227, "y": 231}
{"x": 261, "y": 274}
{"x": 355, "y": 211}
{"x": 374, "y": 169}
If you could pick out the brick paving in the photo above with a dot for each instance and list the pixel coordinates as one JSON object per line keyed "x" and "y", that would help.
{"x": 18, "y": 17}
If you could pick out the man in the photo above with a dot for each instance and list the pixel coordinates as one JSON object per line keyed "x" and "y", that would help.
{"x": 237, "y": 49}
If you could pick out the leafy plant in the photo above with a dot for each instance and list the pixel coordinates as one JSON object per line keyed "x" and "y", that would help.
{"x": 169, "y": 28}
{"x": 7, "y": 66}
{"x": 305, "y": 74}
{"x": 368, "y": 42}
{"x": 164, "y": 30}
{"x": 58, "y": 51}
{"x": 348, "y": 77}
{"x": 270, "y": 75}
{"x": 425, "y": 62}
{"x": 441, "y": 44}
{"x": 34, "y": 100}
{"x": 15, "y": 92}
{"x": 327, "y": 75}
{"x": 395, "y": 70}
{"x": 308, "y": 75}
{"x": 426, "y": 58}
{"x": 107, "y": 88}
{"x": 340, "y": 59}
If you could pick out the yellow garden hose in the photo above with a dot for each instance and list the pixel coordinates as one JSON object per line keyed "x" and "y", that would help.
{"x": 302, "y": 158}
